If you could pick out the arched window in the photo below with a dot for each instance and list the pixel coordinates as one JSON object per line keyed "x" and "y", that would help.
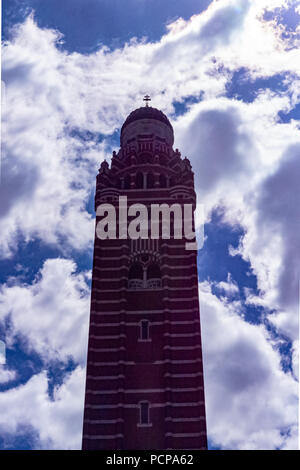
{"x": 150, "y": 180}
{"x": 135, "y": 276}
{"x": 162, "y": 161}
{"x": 144, "y": 413}
{"x": 153, "y": 271}
{"x": 127, "y": 182}
{"x": 153, "y": 277}
{"x": 144, "y": 330}
{"x": 172, "y": 182}
{"x": 162, "y": 181}
{"x": 139, "y": 181}
{"x": 145, "y": 158}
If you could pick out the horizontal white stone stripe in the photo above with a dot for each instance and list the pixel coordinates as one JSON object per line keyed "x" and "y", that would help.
{"x": 177, "y": 405}
{"x": 179, "y": 278}
{"x": 110, "y": 313}
{"x": 185, "y": 420}
{"x": 102, "y": 436}
{"x": 182, "y": 348}
{"x": 187, "y": 255}
{"x": 165, "y": 265}
{"x": 111, "y": 363}
{"x": 138, "y": 312}
{"x": 112, "y": 258}
{"x": 182, "y": 335}
{"x": 181, "y": 376}
{"x": 129, "y": 363}
{"x": 174, "y": 245}
{"x": 145, "y": 390}
{"x": 116, "y": 289}
{"x": 178, "y": 266}
{"x": 122, "y": 376}
{"x": 132, "y": 312}
{"x": 181, "y": 288}
{"x": 180, "y": 299}
{"x": 152, "y": 405}
{"x": 185, "y": 434}
{"x": 125, "y": 288}
{"x": 118, "y": 247}
{"x": 121, "y": 348}
{"x": 157, "y": 323}
{"x": 105, "y": 377}
{"x": 182, "y": 361}
{"x": 166, "y": 256}
{"x": 155, "y": 190}
{"x": 104, "y": 421}
{"x": 165, "y": 299}
{"x": 112, "y": 268}
{"x": 126, "y": 257}
{"x": 164, "y": 276}
{"x": 144, "y": 198}
{"x": 107, "y": 336}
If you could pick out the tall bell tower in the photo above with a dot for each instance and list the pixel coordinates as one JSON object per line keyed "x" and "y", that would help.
{"x": 144, "y": 383}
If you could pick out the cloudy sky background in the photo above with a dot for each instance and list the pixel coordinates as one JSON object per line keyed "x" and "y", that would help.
{"x": 227, "y": 75}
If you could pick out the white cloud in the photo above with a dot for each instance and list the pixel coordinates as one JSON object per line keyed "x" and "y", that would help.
{"x": 248, "y": 162}
{"x": 230, "y": 287}
{"x": 272, "y": 242}
{"x": 241, "y": 155}
{"x": 49, "y": 92}
{"x": 51, "y": 313}
{"x": 6, "y": 375}
{"x": 58, "y": 422}
{"x": 250, "y": 401}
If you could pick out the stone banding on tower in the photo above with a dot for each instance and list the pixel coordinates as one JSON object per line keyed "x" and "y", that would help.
{"x": 144, "y": 384}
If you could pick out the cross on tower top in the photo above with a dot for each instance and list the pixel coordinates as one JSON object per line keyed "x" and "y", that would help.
{"x": 146, "y": 99}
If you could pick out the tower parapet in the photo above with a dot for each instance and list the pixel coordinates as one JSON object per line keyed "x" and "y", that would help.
{"x": 146, "y": 159}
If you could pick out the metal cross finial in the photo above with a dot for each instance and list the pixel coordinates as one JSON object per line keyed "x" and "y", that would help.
{"x": 146, "y": 99}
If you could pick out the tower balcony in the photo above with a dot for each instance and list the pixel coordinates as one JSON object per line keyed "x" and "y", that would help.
{"x": 181, "y": 191}
{"x": 138, "y": 284}
{"x": 107, "y": 195}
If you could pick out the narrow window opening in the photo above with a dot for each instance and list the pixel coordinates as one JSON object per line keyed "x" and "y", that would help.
{"x": 144, "y": 412}
{"x": 162, "y": 181}
{"x": 127, "y": 182}
{"x": 153, "y": 277}
{"x": 150, "y": 180}
{"x": 135, "y": 277}
{"x": 144, "y": 330}
{"x": 139, "y": 182}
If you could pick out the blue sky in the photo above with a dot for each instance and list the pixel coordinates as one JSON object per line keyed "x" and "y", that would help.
{"x": 86, "y": 25}
{"x": 227, "y": 75}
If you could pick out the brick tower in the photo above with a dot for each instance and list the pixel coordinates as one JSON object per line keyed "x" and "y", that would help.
{"x": 144, "y": 384}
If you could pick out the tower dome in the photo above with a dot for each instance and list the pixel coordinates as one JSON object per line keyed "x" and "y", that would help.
{"x": 146, "y": 112}
{"x": 147, "y": 121}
